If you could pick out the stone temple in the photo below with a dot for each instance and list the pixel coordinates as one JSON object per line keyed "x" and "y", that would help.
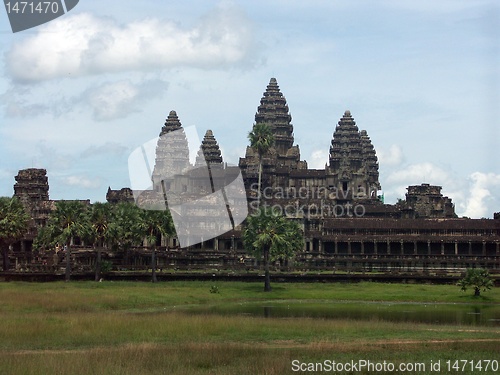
{"x": 347, "y": 225}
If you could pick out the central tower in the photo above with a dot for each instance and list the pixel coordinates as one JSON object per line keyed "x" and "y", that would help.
{"x": 283, "y": 157}
{"x": 274, "y": 112}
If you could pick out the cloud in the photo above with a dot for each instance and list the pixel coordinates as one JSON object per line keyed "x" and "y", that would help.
{"x": 107, "y": 149}
{"x": 112, "y": 100}
{"x": 82, "y": 181}
{"x": 395, "y": 184}
{"x": 318, "y": 159}
{"x": 418, "y": 173}
{"x": 392, "y": 157}
{"x": 481, "y": 201}
{"x": 83, "y": 44}
{"x": 435, "y": 7}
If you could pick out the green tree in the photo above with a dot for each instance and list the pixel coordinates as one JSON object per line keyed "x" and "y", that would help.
{"x": 14, "y": 222}
{"x": 123, "y": 229}
{"x": 271, "y": 236}
{"x": 478, "y": 279}
{"x": 100, "y": 219}
{"x": 153, "y": 225}
{"x": 261, "y": 139}
{"x": 68, "y": 221}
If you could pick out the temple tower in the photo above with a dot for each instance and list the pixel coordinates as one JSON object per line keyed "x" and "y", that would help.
{"x": 283, "y": 157}
{"x": 353, "y": 162}
{"x": 273, "y": 111}
{"x": 32, "y": 189}
{"x": 32, "y": 185}
{"x": 172, "y": 152}
{"x": 209, "y": 152}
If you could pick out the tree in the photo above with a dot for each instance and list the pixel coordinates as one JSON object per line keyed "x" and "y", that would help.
{"x": 261, "y": 139}
{"x": 68, "y": 221}
{"x": 123, "y": 230}
{"x": 14, "y": 222}
{"x": 271, "y": 236}
{"x": 478, "y": 279}
{"x": 100, "y": 220}
{"x": 153, "y": 225}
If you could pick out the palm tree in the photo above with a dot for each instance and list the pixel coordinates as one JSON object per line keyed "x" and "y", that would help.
{"x": 153, "y": 224}
{"x": 123, "y": 229}
{"x": 100, "y": 219}
{"x": 271, "y": 236}
{"x": 14, "y": 221}
{"x": 69, "y": 220}
{"x": 261, "y": 139}
{"x": 478, "y": 279}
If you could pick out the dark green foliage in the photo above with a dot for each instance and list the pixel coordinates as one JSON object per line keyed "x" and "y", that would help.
{"x": 478, "y": 279}
{"x": 214, "y": 289}
{"x": 68, "y": 221}
{"x": 261, "y": 139}
{"x": 14, "y": 222}
{"x": 152, "y": 226}
{"x": 271, "y": 236}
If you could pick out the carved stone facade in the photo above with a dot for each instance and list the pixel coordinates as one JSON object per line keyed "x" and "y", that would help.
{"x": 353, "y": 161}
{"x": 351, "y": 175}
{"x": 346, "y": 224}
{"x": 426, "y": 201}
{"x": 32, "y": 189}
{"x": 284, "y": 157}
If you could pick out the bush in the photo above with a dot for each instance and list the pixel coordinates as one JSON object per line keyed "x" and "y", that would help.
{"x": 477, "y": 278}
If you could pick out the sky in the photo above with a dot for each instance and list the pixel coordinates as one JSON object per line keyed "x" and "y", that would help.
{"x": 80, "y": 93}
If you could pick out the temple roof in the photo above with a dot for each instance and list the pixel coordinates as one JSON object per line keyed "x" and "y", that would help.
{"x": 273, "y": 110}
{"x": 172, "y": 151}
{"x": 351, "y": 150}
{"x": 171, "y": 123}
{"x": 210, "y": 149}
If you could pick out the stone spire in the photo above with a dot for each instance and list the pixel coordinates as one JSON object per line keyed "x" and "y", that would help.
{"x": 346, "y": 148}
{"x": 370, "y": 159}
{"x": 172, "y": 151}
{"x": 273, "y": 110}
{"x": 171, "y": 123}
{"x": 32, "y": 185}
{"x": 210, "y": 150}
{"x": 353, "y": 160}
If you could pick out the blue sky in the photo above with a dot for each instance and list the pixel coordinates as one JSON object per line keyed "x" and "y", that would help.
{"x": 78, "y": 94}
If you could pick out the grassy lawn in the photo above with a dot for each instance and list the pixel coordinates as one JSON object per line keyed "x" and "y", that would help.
{"x": 142, "y": 328}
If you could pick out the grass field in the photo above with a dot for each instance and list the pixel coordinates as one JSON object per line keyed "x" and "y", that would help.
{"x": 142, "y": 328}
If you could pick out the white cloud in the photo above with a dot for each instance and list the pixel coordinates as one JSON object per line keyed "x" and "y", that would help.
{"x": 107, "y": 149}
{"x": 481, "y": 202}
{"x": 391, "y": 157}
{"x": 395, "y": 184}
{"x": 82, "y": 181}
{"x": 84, "y": 44}
{"x": 318, "y": 159}
{"x": 420, "y": 173}
{"x": 112, "y": 100}
{"x": 474, "y": 197}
